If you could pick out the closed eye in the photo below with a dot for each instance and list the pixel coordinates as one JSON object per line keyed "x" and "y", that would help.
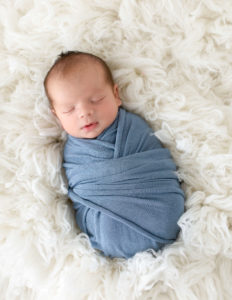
{"x": 68, "y": 111}
{"x": 97, "y": 100}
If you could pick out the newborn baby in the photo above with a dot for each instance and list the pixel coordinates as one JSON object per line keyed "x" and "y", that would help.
{"x": 122, "y": 182}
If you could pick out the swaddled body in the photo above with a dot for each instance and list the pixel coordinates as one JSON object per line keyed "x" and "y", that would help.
{"x": 121, "y": 180}
{"x": 124, "y": 188}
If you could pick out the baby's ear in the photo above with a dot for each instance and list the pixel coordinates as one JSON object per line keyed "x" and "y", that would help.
{"x": 116, "y": 95}
{"x": 56, "y": 117}
{"x": 53, "y": 111}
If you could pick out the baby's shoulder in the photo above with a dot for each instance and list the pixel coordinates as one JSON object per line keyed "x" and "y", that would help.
{"x": 137, "y": 121}
{"x": 137, "y": 125}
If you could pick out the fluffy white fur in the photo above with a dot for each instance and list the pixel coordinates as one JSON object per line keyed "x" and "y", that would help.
{"x": 173, "y": 63}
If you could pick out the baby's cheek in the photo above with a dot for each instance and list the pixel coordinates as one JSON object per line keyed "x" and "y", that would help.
{"x": 69, "y": 125}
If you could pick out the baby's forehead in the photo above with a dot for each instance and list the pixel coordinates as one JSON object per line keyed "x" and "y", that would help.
{"x": 77, "y": 67}
{"x": 80, "y": 63}
{"x": 79, "y": 77}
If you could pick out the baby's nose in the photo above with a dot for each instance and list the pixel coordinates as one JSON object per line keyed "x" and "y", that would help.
{"x": 85, "y": 110}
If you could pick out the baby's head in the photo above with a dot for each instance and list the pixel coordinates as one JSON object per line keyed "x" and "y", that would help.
{"x": 82, "y": 94}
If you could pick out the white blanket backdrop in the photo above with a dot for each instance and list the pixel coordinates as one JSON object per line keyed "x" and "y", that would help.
{"x": 173, "y": 62}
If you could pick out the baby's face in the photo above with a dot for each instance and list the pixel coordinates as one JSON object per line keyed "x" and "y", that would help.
{"x": 84, "y": 103}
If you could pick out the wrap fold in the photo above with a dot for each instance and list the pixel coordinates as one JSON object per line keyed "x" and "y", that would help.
{"x": 124, "y": 188}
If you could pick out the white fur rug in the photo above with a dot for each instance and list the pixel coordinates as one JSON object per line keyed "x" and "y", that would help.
{"x": 173, "y": 62}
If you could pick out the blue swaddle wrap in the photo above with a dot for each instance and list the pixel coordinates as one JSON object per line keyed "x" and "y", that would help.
{"x": 124, "y": 188}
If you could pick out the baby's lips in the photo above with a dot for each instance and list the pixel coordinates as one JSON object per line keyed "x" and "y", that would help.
{"x": 89, "y": 125}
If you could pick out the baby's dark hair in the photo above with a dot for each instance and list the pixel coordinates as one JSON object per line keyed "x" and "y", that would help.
{"x": 65, "y": 61}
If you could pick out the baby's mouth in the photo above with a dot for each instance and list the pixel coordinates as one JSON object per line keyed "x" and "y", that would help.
{"x": 90, "y": 126}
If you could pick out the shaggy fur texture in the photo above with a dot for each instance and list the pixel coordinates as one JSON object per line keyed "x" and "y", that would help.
{"x": 173, "y": 63}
